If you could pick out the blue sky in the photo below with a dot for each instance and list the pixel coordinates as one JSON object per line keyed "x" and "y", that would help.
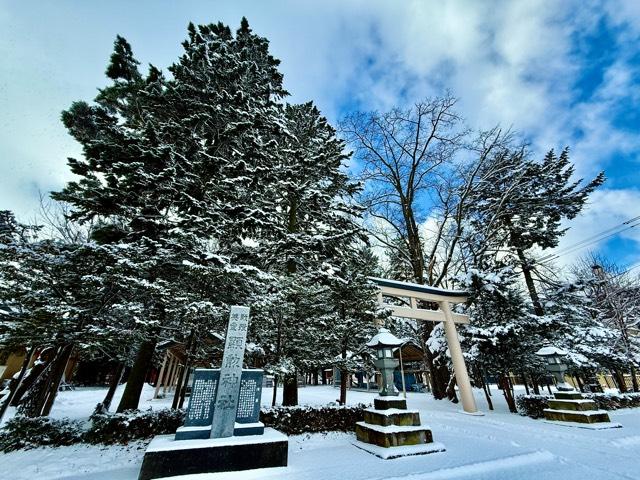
{"x": 561, "y": 73}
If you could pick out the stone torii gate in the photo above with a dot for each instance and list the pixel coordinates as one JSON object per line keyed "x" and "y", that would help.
{"x": 415, "y": 292}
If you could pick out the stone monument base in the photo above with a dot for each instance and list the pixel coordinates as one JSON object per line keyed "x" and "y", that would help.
{"x": 166, "y": 457}
{"x": 570, "y": 407}
{"x": 389, "y": 430}
{"x": 203, "y": 433}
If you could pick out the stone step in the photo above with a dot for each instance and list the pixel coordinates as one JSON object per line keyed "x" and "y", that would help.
{"x": 578, "y": 405}
{"x": 393, "y": 435}
{"x": 392, "y": 416}
{"x": 568, "y": 395}
{"x": 589, "y": 416}
{"x": 385, "y": 403}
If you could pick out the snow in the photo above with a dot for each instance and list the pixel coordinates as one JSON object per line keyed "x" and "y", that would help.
{"x": 419, "y": 287}
{"x": 546, "y": 351}
{"x": 588, "y": 413}
{"x": 394, "y": 428}
{"x": 390, "y": 411}
{"x": 163, "y": 443}
{"x": 397, "y": 452}
{"x": 497, "y": 446}
{"x": 384, "y": 338}
{"x": 590, "y": 426}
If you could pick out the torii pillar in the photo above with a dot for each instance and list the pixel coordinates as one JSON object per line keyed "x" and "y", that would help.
{"x": 415, "y": 292}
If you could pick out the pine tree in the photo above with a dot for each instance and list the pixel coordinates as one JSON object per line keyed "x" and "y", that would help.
{"x": 502, "y": 337}
{"x": 353, "y": 308}
{"x": 521, "y": 205}
{"x": 62, "y": 295}
{"x": 315, "y": 220}
{"x": 173, "y": 167}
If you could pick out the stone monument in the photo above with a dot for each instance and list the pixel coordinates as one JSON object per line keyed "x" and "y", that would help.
{"x": 222, "y": 430}
{"x": 389, "y": 430}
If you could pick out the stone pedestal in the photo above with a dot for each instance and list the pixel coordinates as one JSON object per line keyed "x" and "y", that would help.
{"x": 572, "y": 409}
{"x": 167, "y": 457}
{"x": 389, "y": 430}
{"x": 222, "y": 430}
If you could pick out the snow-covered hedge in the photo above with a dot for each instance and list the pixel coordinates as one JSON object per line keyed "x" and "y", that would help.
{"x": 25, "y": 433}
{"x": 533, "y": 405}
{"x": 132, "y": 425}
{"x": 302, "y": 419}
{"x": 122, "y": 428}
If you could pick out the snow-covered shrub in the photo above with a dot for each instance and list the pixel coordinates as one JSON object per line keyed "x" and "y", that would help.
{"x": 534, "y": 405}
{"x": 25, "y": 433}
{"x": 613, "y": 401}
{"x": 133, "y": 425}
{"x": 303, "y": 419}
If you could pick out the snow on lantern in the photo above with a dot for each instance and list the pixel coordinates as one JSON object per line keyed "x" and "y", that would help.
{"x": 555, "y": 364}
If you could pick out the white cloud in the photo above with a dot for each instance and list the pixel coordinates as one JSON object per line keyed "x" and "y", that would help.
{"x": 513, "y": 63}
{"x": 607, "y": 209}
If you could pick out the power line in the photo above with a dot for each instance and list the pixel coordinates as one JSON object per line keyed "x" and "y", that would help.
{"x": 593, "y": 237}
{"x": 610, "y": 232}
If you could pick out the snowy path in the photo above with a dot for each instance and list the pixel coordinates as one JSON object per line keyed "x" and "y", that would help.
{"x": 497, "y": 446}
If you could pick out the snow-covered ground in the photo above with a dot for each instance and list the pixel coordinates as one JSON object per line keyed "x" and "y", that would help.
{"x": 496, "y": 446}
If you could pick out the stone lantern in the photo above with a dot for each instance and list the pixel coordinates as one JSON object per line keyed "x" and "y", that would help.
{"x": 555, "y": 364}
{"x": 389, "y": 430}
{"x": 384, "y": 343}
{"x": 569, "y": 407}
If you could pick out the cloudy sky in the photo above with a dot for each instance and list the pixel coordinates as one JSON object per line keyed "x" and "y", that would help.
{"x": 563, "y": 73}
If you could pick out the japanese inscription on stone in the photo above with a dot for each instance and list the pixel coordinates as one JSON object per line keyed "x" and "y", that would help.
{"x": 200, "y": 401}
{"x": 228, "y": 391}
{"x": 203, "y": 391}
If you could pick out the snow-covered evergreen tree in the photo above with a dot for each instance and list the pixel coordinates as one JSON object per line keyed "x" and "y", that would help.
{"x": 502, "y": 336}
{"x": 174, "y": 170}
{"x": 521, "y": 203}
{"x": 313, "y": 224}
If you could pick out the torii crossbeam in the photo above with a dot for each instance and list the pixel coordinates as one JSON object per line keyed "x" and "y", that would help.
{"x": 442, "y": 297}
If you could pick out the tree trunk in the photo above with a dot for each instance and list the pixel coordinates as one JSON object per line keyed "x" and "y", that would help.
{"x": 57, "y": 373}
{"x": 14, "y": 384}
{"x": 622, "y": 385}
{"x": 275, "y": 390}
{"x": 135, "y": 382}
{"x": 511, "y": 387}
{"x": 451, "y": 390}
{"x": 436, "y": 377}
{"x": 343, "y": 386}
{"x": 45, "y": 358}
{"x": 506, "y": 391}
{"x": 531, "y": 286}
{"x": 634, "y": 379}
{"x": 524, "y": 380}
{"x": 536, "y": 387}
{"x": 113, "y": 386}
{"x": 487, "y": 393}
{"x": 290, "y": 390}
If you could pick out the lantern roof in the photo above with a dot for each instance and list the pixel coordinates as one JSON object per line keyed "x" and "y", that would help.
{"x": 384, "y": 338}
{"x": 549, "y": 350}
